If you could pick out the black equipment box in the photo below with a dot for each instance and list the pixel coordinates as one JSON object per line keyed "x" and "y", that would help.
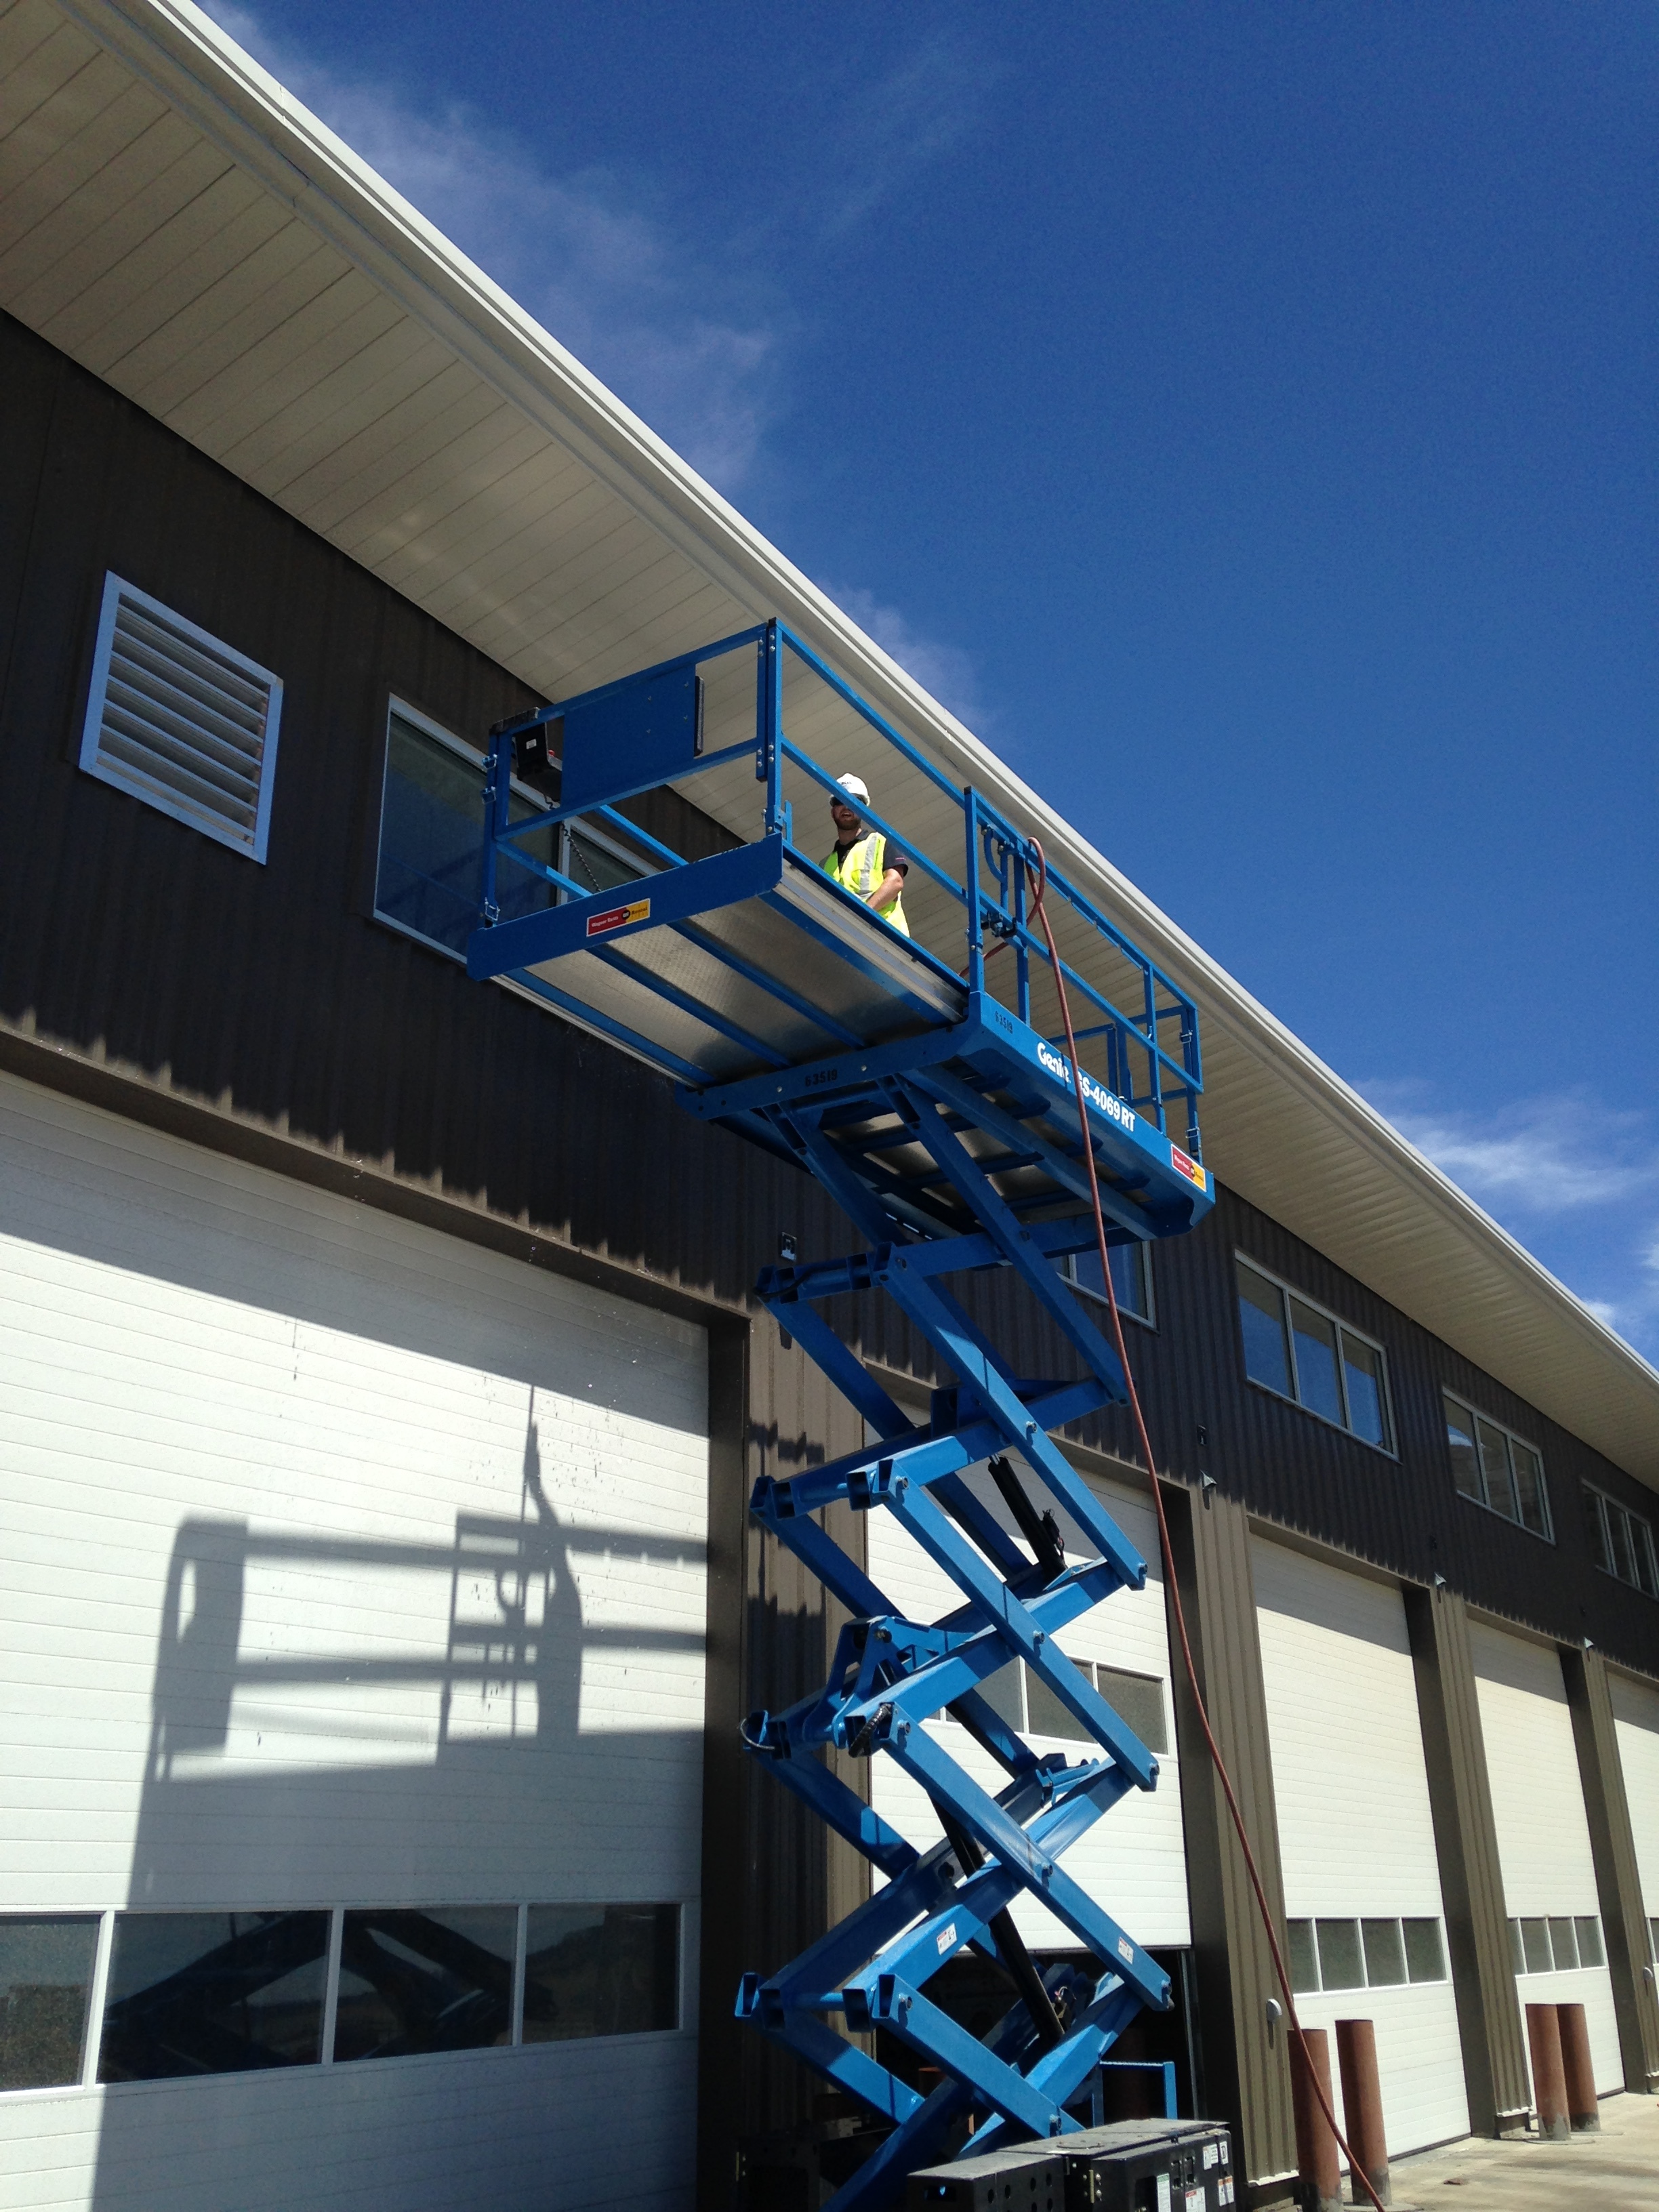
{"x": 1146, "y": 2166}
{"x": 1028, "y": 2178}
{"x": 1129, "y": 2166}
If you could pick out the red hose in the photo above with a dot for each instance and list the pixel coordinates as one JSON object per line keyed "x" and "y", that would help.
{"x": 1356, "y": 2173}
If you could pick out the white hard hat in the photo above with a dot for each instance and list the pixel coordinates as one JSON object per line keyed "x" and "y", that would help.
{"x": 855, "y": 787}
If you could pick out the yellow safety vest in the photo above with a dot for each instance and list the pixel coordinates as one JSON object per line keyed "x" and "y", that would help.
{"x": 860, "y": 868}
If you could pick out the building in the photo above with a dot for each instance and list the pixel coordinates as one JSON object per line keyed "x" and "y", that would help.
{"x": 383, "y": 1382}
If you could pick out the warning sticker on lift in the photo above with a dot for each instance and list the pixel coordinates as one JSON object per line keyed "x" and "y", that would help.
{"x": 1183, "y": 1165}
{"x": 617, "y": 917}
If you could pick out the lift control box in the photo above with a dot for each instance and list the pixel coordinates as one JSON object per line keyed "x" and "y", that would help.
{"x": 1145, "y": 2166}
{"x": 1031, "y": 2179}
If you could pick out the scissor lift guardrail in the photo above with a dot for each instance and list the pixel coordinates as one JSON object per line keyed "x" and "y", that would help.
{"x": 946, "y": 1126}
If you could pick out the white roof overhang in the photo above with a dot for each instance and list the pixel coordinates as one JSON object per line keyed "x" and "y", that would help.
{"x": 174, "y": 221}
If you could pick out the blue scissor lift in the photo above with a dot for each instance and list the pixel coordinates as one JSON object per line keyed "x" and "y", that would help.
{"x": 929, "y": 1097}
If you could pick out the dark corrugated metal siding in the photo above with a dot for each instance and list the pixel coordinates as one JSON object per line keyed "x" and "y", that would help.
{"x": 270, "y": 992}
{"x": 1401, "y": 1514}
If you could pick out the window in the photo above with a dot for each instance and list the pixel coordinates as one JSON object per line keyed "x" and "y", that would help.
{"x": 1557, "y": 1944}
{"x": 182, "y": 721}
{"x": 425, "y": 1981}
{"x": 600, "y": 1970}
{"x": 1359, "y": 1954}
{"x": 1131, "y": 1276}
{"x": 1298, "y": 1350}
{"x": 45, "y": 1980}
{"x": 213, "y": 1993}
{"x": 1025, "y": 1700}
{"x": 1620, "y": 1541}
{"x": 426, "y": 876}
{"x": 1494, "y": 1468}
{"x": 190, "y": 1993}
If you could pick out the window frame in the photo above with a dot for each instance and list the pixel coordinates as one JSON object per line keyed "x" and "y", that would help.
{"x": 103, "y": 1920}
{"x": 1026, "y": 1727}
{"x": 462, "y": 751}
{"x": 1518, "y": 1922}
{"x": 1606, "y": 1502}
{"x": 1511, "y": 1437}
{"x": 1148, "y": 1319}
{"x": 1390, "y": 1449}
{"x": 1359, "y": 1923}
{"x": 254, "y": 848}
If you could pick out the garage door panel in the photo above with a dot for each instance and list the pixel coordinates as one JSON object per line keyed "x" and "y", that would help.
{"x": 1133, "y": 1860}
{"x": 1538, "y": 1805}
{"x": 1420, "y": 2059}
{"x": 1356, "y": 1831}
{"x": 84, "y": 1185}
{"x": 1593, "y": 1988}
{"x": 1636, "y": 1724}
{"x": 345, "y": 1564}
{"x": 1538, "y": 1811}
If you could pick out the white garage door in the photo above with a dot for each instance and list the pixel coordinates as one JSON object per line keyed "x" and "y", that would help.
{"x": 1133, "y": 1860}
{"x": 1636, "y": 1720}
{"x": 352, "y": 1607}
{"x": 1543, "y": 1838}
{"x": 1362, "y": 1882}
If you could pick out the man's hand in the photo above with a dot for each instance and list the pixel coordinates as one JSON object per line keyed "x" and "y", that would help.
{"x": 886, "y": 891}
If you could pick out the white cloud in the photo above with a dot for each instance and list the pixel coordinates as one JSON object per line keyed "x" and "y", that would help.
{"x": 1565, "y": 1174}
{"x": 947, "y": 671}
{"x": 683, "y": 338}
{"x": 1544, "y": 1156}
{"x": 920, "y": 109}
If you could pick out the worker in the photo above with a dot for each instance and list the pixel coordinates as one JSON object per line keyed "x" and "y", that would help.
{"x": 863, "y": 861}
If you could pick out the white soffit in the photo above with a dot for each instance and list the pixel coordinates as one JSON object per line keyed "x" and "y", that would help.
{"x": 174, "y": 221}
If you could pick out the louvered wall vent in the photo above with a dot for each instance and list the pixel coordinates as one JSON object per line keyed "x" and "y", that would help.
{"x": 181, "y": 721}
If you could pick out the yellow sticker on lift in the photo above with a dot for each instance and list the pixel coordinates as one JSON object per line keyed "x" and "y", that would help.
{"x": 619, "y": 917}
{"x": 1189, "y": 1168}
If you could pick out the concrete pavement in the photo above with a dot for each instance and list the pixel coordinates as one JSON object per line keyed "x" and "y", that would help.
{"x": 1615, "y": 2170}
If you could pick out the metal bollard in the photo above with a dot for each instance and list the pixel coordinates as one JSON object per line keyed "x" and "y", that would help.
{"x": 1362, "y": 2102}
{"x": 1578, "y": 2071}
{"x": 1316, "y": 2162}
{"x": 1549, "y": 2086}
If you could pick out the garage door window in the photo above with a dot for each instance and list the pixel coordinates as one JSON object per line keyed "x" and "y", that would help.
{"x": 1560, "y": 1944}
{"x": 600, "y": 1970}
{"x": 1298, "y": 1350}
{"x": 1029, "y": 1707}
{"x": 45, "y": 1981}
{"x": 426, "y": 1981}
{"x": 213, "y": 1993}
{"x": 1358, "y": 1954}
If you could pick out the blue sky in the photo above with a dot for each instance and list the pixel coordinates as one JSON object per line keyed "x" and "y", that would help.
{"x": 1243, "y": 415}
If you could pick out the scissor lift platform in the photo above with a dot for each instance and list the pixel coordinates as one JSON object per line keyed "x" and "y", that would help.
{"x": 938, "y": 1105}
